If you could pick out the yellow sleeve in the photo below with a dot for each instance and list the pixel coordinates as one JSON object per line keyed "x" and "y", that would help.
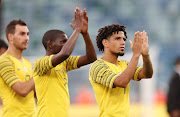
{"x": 42, "y": 65}
{"x": 7, "y": 71}
{"x": 136, "y": 73}
{"x": 101, "y": 73}
{"x": 71, "y": 63}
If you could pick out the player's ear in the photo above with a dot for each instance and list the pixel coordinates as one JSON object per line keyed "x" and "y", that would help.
{"x": 105, "y": 42}
{"x": 10, "y": 37}
{"x": 49, "y": 44}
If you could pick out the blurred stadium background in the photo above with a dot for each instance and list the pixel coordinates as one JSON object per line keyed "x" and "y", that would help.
{"x": 160, "y": 18}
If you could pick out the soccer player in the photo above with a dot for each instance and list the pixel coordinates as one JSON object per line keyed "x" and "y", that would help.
{"x": 16, "y": 82}
{"x": 110, "y": 77}
{"x": 3, "y": 47}
{"x": 50, "y": 71}
{"x": 173, "y": 96}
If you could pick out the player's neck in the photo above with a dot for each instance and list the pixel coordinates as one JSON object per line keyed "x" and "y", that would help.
{"x": 110, "y": 58}
{"x": 48, "y": 53}
{"x": 15, "y": 52}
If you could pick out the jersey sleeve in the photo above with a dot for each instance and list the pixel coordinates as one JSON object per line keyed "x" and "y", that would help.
{"x": 71, "y": 63}
{"x": 7, "y": 72}
{"x": 42, "y": 65}
{"x": 101, "y": 73}
{"x": 136, "y": 73}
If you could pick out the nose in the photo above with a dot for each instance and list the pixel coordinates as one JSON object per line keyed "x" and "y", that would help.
{"x": 122, "y": 42}
{"x": 27, "y": 37}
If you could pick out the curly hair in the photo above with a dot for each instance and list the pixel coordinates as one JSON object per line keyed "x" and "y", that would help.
{"x": 107, "y": 31}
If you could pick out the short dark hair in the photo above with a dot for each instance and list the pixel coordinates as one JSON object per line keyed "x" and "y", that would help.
{"x": 3, "y": 44}
{"x": 11, "y": 26}
{"x": 51, "y": 35}
{"x": 107, "y": 31}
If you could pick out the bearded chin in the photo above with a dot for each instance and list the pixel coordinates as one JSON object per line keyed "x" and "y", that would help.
{"x": 120, "y": 54}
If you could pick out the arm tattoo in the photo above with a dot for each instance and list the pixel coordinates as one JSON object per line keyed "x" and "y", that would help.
{"x": 147, "y": 66}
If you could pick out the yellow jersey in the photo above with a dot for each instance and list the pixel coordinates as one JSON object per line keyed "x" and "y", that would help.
{"x": 11, "y": 71}
{"x": 113, "y": 101}
{"x": 52, "y": 86}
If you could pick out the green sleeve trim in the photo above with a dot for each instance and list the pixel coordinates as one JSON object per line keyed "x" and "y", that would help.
{"x": 72, "y": 63}
{"x": 137, "y": 73}
{"x": 101, "y": 74}
{"x": 13, "y": 81}
{"x": 50, "y": 61}
{"x": 112, "y": 81}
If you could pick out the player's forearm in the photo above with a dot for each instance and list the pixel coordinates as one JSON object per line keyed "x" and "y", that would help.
{"x": 66, "y": 50}
{"x": 124, "y": 78}
{"x": 23, "y": 88}
{"x": 147, "y": 69}
{"x": 70, "y": 44}
{"x": 90, "y": 51}
{"x": 29, "y": 86}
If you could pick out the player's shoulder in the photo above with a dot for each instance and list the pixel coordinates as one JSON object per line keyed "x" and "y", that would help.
{"x": 70, "y": 58}
{"x": 99, "y": 66}
{"x": 42, "y": 58}
{"x": 5, "y": 57}
{"x": 5, "y": 61}
{"x": 100, "y": 62}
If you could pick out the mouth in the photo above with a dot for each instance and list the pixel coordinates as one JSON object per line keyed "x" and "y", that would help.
{"x": 25, "y": 43}
{"x": 122, "y": 48}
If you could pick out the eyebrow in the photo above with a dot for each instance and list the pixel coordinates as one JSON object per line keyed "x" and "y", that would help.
{"x": 24, "y": 32}
{"x": 118, "y": 37}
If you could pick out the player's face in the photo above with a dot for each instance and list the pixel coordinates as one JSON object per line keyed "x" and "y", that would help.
{"x": 116, "y": 43}
{"x": 21, "y": 37}
{"x": 59, "y": 43}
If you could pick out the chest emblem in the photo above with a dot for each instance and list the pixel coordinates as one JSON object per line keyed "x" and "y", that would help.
{"x": 24, "y": 68}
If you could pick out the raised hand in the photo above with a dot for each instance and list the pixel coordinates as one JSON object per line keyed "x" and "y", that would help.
{"x": 85, "y": 22}
{"x": 145, "y": 50}
{"x": 136, "y": 46}
{"x": 78, "y": 20}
